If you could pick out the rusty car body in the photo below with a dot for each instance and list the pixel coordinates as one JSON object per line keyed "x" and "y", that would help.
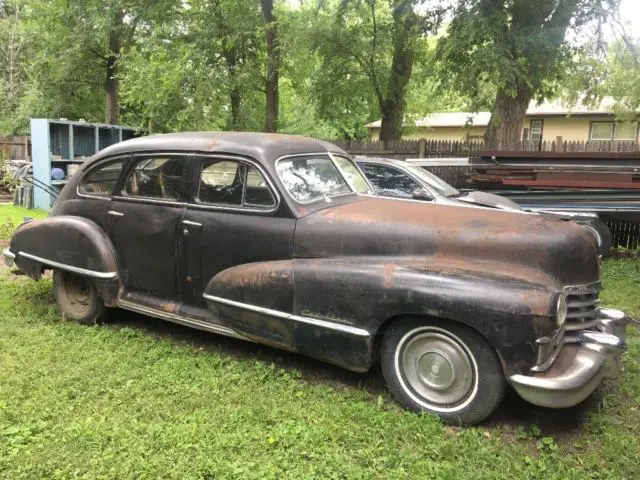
{"x": 276, "y": 239}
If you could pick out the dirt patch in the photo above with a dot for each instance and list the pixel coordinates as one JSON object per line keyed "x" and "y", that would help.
{"x": 624, "y": 254}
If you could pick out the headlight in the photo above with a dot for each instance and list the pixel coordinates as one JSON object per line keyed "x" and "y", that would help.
{"x": 561, "y": 310}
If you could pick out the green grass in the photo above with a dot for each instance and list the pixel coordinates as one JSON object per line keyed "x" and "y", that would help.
{"x": 11, "y": 217}
{"x": 136, "y": 400}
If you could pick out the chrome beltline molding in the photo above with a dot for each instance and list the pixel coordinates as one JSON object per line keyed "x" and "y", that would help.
{"x": 182, "y": 320}
{"x": 338, "y": 327}
{"x": 70, "y": 268}
{"x": 8, "y": 253}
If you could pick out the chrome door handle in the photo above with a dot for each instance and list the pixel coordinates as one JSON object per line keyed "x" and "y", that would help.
{"x": 191, "y": 224}
{"x": 113, "y": 213}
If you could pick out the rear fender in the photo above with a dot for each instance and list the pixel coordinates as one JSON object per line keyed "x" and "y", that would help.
{"x": 68, "y": 243}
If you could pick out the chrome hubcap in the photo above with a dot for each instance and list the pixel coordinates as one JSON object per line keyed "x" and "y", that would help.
{"x": 437, "y": 368}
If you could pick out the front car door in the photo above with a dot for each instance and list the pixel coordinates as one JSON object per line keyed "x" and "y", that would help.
{"x": 145, "y": 224}
{"x": 235, "y": 218}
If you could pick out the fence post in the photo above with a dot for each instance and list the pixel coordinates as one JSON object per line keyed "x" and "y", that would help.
{"x": 421, "y": 145}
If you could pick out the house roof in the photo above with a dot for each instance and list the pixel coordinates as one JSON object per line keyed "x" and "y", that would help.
{"x": 481, "y": 119}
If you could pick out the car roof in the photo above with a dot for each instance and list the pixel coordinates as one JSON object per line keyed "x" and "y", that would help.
{"x": 264, "y": 147}
{"x": 381, "y": 160}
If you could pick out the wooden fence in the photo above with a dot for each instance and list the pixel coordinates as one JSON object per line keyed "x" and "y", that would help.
{"x": 15, "y": 147}
{"x": 404, "y": 149}
{"x": 625, "y": 234}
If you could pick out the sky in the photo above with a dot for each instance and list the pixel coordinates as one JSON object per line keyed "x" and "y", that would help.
{"x": 630, "y": 15}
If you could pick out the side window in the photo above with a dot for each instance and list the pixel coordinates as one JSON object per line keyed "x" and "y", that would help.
{"x": 162, "y": 178}
{"x": 233, "y": 183}
{"x": 221, "y": 182}
{"x": 390, "y": 182}
{"x": 257, "y": 193}
{"x": 102, "y": 180}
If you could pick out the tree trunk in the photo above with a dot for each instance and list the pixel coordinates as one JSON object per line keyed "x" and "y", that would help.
{"x": 392, "y": 107}
{"x": 505, "y": 125}
{"x": 112, "y": 83}
{"x": 273, "y": 68}
{"x": 235, "y": 95}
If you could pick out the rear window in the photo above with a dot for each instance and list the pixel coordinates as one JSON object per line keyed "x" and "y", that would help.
{"x": 101, "y": 180}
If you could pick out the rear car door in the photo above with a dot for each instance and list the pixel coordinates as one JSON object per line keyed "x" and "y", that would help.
{"x": 145, "y": 220}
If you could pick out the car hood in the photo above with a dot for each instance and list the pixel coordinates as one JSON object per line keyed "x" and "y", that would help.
{"x": 484, "y": 199}
{"x": 432, "y": 233}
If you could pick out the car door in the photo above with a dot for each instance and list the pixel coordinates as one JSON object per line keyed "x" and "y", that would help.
{"x": 235, "y": 217}
{"x": 389, "y": 181}
{"x": 145, "y": 220}
{"x": 94, "y": 192}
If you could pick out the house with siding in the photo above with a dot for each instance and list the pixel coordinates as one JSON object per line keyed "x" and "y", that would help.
{"x": 549, "y": 121}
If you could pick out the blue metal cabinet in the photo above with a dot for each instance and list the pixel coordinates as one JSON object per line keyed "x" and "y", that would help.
{"x": 63, "y": 144}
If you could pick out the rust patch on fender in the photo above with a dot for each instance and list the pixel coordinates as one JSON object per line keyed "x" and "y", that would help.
{"x": 389, "y": 269}
{"x": 256, "y": 274}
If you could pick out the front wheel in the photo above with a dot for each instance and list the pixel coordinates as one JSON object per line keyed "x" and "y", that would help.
{"x": 442, "y": 368}
{"x": 78, "y": 298}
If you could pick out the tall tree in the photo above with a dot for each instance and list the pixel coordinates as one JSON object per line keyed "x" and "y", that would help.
{"x": 12, "y": 73}
{"x": 273, "y": 67}
{"x": 519, "y": 47}
{"x": 382, "y": 40}
{"x": 76, "y": 46}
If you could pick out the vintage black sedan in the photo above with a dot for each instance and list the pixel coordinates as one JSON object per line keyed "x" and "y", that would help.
{"x": 276, "y": 239}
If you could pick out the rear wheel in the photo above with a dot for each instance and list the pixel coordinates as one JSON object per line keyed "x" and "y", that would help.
{"x": 441, "y": 368}
{"x": 78, "y": 298}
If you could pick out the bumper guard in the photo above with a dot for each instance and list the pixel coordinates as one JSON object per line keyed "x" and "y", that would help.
{"x": 9, "y": 257}
{"x": 586, "y": 357}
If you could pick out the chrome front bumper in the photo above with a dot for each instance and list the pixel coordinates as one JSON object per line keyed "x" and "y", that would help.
{"x": 9, "y": 257}
{"x": 586, "y": 357}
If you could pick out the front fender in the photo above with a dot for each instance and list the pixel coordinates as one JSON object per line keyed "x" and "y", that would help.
{"x": 510, "y": 306}
{"x": 333, "y": 309}
{"x": 68, "y": 243}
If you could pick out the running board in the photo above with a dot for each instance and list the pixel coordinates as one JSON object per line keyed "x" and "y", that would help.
{"x": 180, "y": 319}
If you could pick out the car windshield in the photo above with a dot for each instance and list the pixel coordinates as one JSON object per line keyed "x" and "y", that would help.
{"x": 433, "y": 181}
{"x": 357, "y": 180}
{"x": 312, "y": 177}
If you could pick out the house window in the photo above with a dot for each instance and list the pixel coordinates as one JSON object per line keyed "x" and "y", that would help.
{"x": 603, "y": 131}
{"x": 535, "y": 131}
{"x": 626, "y": 131}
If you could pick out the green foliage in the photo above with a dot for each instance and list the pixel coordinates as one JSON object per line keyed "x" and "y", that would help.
{"x": 501, "y": 54}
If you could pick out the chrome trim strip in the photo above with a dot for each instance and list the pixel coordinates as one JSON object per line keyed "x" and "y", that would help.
{"x": 113, "y": 213}
{"x": 191, "y": 224}
{"x": 348, "y": 329}
{"x": 180, "y": 319}
{"x": 70, "y": 268}
{"x": 8, "y": 254}
{"x": 153, "y": 201}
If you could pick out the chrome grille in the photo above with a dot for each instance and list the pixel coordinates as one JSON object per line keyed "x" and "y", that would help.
{"x": 582, "y": 305}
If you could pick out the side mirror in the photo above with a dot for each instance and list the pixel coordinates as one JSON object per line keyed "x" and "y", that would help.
{"x": 421, "y": 194}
